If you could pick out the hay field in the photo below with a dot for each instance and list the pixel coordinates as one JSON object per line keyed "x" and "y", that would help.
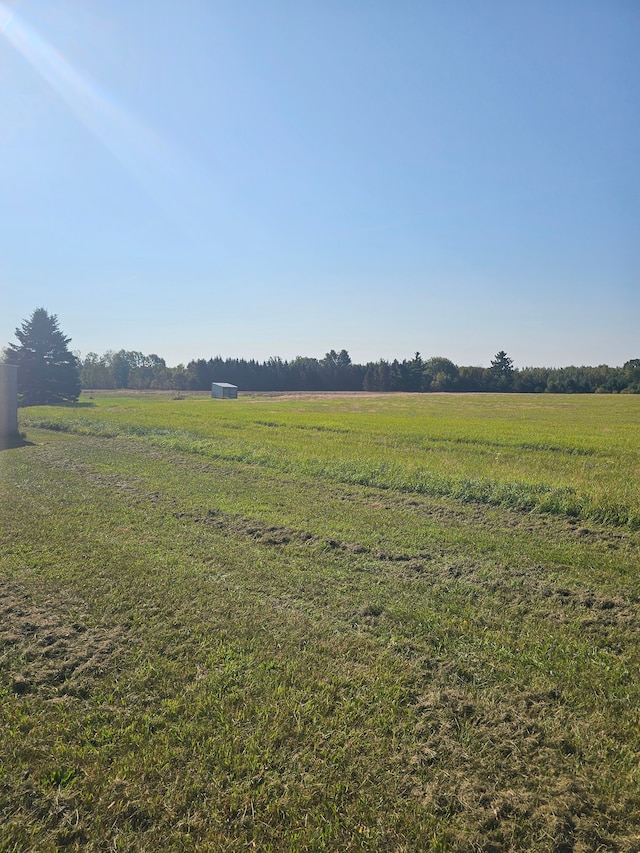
{"x": 331, "y": 622}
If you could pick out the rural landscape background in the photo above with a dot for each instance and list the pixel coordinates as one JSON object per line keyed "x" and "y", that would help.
{"x": 388, "y": 598}
{"x": 49, "y": 371}
{"x": 336, "y": 372}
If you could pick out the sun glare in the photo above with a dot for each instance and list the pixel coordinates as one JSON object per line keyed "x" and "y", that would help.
{"x": 153, "y": 164}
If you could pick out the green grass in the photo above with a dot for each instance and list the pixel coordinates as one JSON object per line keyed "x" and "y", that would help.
{"x": 569, "y": 455}
{"x": 321, "y": 623}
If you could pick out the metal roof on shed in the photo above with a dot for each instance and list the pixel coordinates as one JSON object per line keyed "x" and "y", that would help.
{"x": 224, "y": 385}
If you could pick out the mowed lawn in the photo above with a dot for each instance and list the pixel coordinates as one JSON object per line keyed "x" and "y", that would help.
{"x": 322, "y": 622}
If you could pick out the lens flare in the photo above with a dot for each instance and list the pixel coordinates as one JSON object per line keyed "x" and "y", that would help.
{"x": 150, "y": 161}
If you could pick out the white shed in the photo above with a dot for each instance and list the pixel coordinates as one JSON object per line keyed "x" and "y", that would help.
{"x": 224, "y": 390}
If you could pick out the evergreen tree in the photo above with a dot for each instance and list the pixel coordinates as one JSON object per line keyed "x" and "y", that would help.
{"x": 502, "y": 364}
{"x": 47, "y": 370}
{"x": 413, "y": 371}
{"x": 501, "y": 372}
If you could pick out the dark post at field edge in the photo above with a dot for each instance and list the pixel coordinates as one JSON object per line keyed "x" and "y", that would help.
{"x": 8, "y": 400}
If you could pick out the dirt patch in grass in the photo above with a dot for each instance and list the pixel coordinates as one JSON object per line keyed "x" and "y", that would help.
{"x": 250, "y": 528}
{"x": 50, "y": 649}
{"x": 264, "y": 533}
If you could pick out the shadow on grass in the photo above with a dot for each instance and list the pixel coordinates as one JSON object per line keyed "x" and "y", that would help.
{"x": 16, "y": 439}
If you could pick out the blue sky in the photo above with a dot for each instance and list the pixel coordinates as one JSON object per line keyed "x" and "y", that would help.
{"x": 251, "y": 178}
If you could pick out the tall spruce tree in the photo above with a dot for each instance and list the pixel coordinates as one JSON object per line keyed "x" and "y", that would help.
{"x": 47, "y": 370}
{"x": 501, "y": 372}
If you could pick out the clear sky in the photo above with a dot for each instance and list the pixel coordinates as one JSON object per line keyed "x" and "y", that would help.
{"x": 247, "y": 178}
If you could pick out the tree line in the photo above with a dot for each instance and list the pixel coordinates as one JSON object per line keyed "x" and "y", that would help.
{"x": 336, "y": 372}
{"x": 50, "y": 373}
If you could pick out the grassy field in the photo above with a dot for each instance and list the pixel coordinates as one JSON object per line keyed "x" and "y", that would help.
{"x": 331, "y": 622}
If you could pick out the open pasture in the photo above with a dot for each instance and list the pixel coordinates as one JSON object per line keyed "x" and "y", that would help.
{"x": 330, "y": 622}
{"x": 576, "y": 456}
